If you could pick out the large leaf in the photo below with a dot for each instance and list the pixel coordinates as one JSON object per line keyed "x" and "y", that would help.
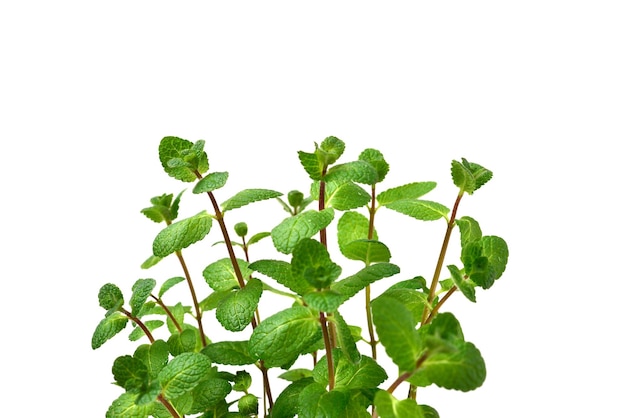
{"x": 356, "y": 171}
{"x": 282, "y": 337}
{"x": 183, "y": 373}
{"x": 281, "y": 272}
{"x": 303, "y": 225}
{"x": 423, "y": 210}
{"x": 409, "y": 191}
{"x": 377, "y": 161}
{"x": 182, "y": 234}
{"x": 248, "y": 196}
{"x": 234, "y": 353}
{"x": 311, "y": 262}
{"x": 236, "y": 310}
{"x": 347, "y": 196}
{"x": 353, "y": 226}
{"x": 125, "y": 406}
{"x": 221, "y": 275}
{"x": 387, "y": 406}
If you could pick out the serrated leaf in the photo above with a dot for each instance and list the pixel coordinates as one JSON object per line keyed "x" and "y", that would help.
{"x": 469, "y": 230}
{"x": 141, "y": 292}
{"x": 220, "y": 275}
{"x": 181, "y": 158}
{"x": 210, "y": 302}
{"x": 311, "y": 262}
{"x": 210, "y": 182}
{"x": 316, "y": 402}
{"x": 182, "y": 234}
{"x": 130, "y": 373}
{"x": 350, "y": 286}
{"x": 183, "y": 342}
{"x": 397, "y": 333}
{"x": 368, "y": 251}
{"x": 110, "y": 297}
{"x": 410, "y": 191}
{"x": 465, "y": 285}
{"x": 497, "y": 252}
{"x": 125, "y": 406}
{"x": 110, "y": 326}
{"x": 289, "y": 232}
{"x": 287, "y": 405}
{"x": 345, "y": 338}
{"x": 422, "y": 210}
{"x": 365, "y": 373}
{"x": 375, "y": 159}
{"x": 208, "y": 395}
{"x": 154, "y": 356}
{"x": 138, "y": 333}
{"x": 169, "y": 283}
{"x": 235, "y": 353}
{"x": 347, "y": 196}
{"x": 237, "y": 310}
{"x": 412, "y": 299}
{"x": 387, "y": 406}
{"x": 330, "y": 150}
{"x": 324, "y": 300}
{"x": 469, "y": 177}
{"x": 355, "y": 171}
{"x": 353, "y": 226}
{"x": 183, "y": 373}
{"x": 311, "y": 164}
{"x": 281, "y": 272}
{"x": 463, "y": 369}
{"x": 282, "y": 337}
{"x": 248, "y": 196}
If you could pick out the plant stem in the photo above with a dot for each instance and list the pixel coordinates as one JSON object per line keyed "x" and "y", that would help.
{"x": 322, "y": 204}
{"x": 442, "y": 255}
{"x": 329, "y": 352}
{"x": 441, "y": 302}
{"x": 368, "y": 291}
{"x": 168, "y": 312}
{"x": 139, "y": 323}
{"x": 192, "y": 290}
{"x": 168, "y": 406}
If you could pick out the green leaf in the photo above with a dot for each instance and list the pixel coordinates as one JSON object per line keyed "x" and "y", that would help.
{"x": 303, "y": 225}
{"x": 465, "y": 285}
{"x": 412, "y": 299}
{"x": 330, "y": 150}
{"x": 169, "y": 283}
{"x": 387, "y": 406}
{"x": 210, "y": 182}
{"x": 362, "y": 374}
{"x": 183, "y": 373}
{"x": 234, "y": 353}
{"x": 287, "y": 403}
{"x": 281, "y": 272}
{"x": 125, "y": 406}
{"x": 141, "y": 292}
{"x": 110, "y": 326}
{"x": 154, "y": 356}
{"x": 257, "y": 237}
{"x": 409, "y": 191}
{"x": 469, "y": 177}
{"x": 181, "y": 234}
{"x": 282, "y": 337}
{"x": 368, "y": 251}
{"x": 293, "y": 375}
{"x": 110, "y": 297}
{"x": 345, "y": 339}
{"x": 311, "y": 262}
{"x": 151, "y": 261}
{"x": 355, "y": 171}
{"x": 353, "y": 226}
{"x": 248, "y": 405}
{"x": 422, "y": 210}
{"x": 397, "y": 333}
{"x": 248, "y": 196}
{"x": 324, "y": 300}
{"x": 181, "y": 159}
{"x": 220, "y": 275}
{"x": 375, "y": 159}
{"x": 237, "y": 310}
{"x": 347, "y": 196}
{"x": 311, "y": 164}
{"x": 469, "y": 229}
{"x": 463, "y": 369}
{"x": 208, "y": 394}
{"x": 497, "y": 252}
{"x": 315, "y": 402}
{"x": 350, "y": 286}
{"x": 184, "y": 342}
{"x": 138, "y": 333}
{"x": 163, "y": 208}
{"x": 130, "y": 373}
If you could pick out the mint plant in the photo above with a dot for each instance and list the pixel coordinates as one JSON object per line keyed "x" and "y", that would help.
{"x": 328, "y": 366}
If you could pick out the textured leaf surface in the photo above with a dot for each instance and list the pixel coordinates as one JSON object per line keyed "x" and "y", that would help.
{"x": 469, "y": 230}
{"x": 182, "y": 234}
{"x": 210, "y": 182}
{"x": 409, "y": 191}
{"x": 356, "y": 171}
{"x": 126, "y": 407}
{"x": 281, "y": 272}
{"x": 169, "y": 283}
{"x": 295, "y": 228}
{"x": 107, "y": 328}
{"x": 229, "y": 352}
{"x": 469, "y": 177}
{"x": 347, "y": 196}
{"x": 236, "y": 310}
{"x": 422, "y": 210}
{"x": 376, "y": 159}
{"x": 248, "y": 196}
{"x": 353, "y": 226}
{"x": 110, "y": 297}
{"x": 387, "y": 406}
{"x": 368, "y": 251}
{"x": 220, "y": 275}
{"x": 465, "y": 285}
{"x": 282, "y": 337}
{"x": 183, "y": 373}
{"x": 350, "y": 286}
{"x": 141, "y": 291}
{"x": 154, "y": 356}
{"x": 311, "y": 262}
{"x": 180, "y": 158}
{"x": 209, "y": 393}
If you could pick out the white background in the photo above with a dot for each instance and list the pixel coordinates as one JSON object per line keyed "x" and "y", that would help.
{"x": 533, "y": 90}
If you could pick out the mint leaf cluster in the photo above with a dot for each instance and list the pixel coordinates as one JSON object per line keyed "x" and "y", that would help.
{"x": 179, "y": 369}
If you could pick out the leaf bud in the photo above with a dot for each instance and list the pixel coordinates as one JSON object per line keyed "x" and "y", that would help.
{"x": 241, "y": 229}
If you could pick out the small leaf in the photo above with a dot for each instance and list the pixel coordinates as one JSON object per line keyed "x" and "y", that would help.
{"x": 110, "y": 297}
{"x": 220, "y": 275}
{"x": 110, "y": 326}
{"x": 130, "y": 373}
{"x": 293, "y": 375}
{"x": 281, "y": 272}
{"x": 237, "y": 310}
{"x": 497, "y": 252}
{"x": 469, "y": 177}
{"x": 353, "y": 226}
{"x": 125, "y": 406}
{"x": 350, "y": 286}
{"x": 210, "y": 182}
{"x": 184, "y": 342}
{"x": 258, "y": 237}
{"x": 469, "y": 229}
{"x": 248, "y": 405}
{"x": 387, "y": 406}
{"x": 422, "y": 210}
{"x": 282, "y": 337}
{"x": 141, "y": 291}
{"x": 345, "y": 338}
{"x": 311, "y": 262}
{"x": 465, "y": 285}
{"x": 181, "y": 159}
{"x": 330, "y": 150}
{"x": 233, "y": 353}
{"x": 151, "y": 261}
{"x": 169, "y": 283}
{"x": 208, "y": 394}
{"x": 409, "y": 191}
{"x": 248, "y": 196}
{"x": 138, "y": 333}
{"x": 287, "y": 403}
{"x": 325, "y": 300}
{"x": 311, "y": 164}
{"x": 183, "y": 373}
{"x": 368, "y": 251}
{"x": 347, "y": 196}
{"x": 303, "y": 225}
{"x": 375, "y": 159}
{"x": 182, "y": 234}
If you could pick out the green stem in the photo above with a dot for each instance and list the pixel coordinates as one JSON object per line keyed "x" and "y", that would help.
{"x": 442, "y": 255}
{"x": 192, "y": 290}
{"x": 441, "y": 302}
